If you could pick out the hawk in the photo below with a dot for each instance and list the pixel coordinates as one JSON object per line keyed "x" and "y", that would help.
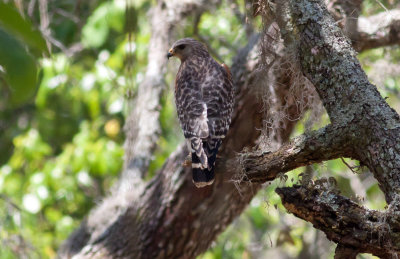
{"x": 204, "y": 97}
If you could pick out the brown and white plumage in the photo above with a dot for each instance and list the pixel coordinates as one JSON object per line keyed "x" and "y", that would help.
{"x": 204, "y": 96}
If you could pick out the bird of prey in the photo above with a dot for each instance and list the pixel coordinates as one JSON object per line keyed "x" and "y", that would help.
{"x": 204, "y": 97}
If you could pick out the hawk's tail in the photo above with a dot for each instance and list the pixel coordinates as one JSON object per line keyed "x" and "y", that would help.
{"x": 204, "y": 175}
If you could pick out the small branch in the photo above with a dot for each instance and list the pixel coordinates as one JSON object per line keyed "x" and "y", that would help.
{"x": 317, "y": 146}
{"x": 67, "y": 15}
{"x": 378, "y": 30}
{"x": 348, "y": 166}
{"x": 355, "y": 228}
{"x": 44, "y": 20}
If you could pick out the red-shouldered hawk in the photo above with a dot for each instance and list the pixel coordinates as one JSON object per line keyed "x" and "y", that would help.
{"x": 204, "y": 96}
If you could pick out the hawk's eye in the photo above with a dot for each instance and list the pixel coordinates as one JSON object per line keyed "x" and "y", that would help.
{"x": 181, "y": 47}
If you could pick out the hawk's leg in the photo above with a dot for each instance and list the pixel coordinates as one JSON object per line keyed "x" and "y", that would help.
{"x": 188, "y": 158}
{"x": 188, "y": 161}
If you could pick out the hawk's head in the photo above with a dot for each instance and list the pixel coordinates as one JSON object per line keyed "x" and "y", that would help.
{"x": 187, "y": 47}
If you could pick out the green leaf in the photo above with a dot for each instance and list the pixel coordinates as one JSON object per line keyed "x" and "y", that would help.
{"x": 20, "y": 69}
{"x": 107, "y": 16}
{"x": 12, "y": 21}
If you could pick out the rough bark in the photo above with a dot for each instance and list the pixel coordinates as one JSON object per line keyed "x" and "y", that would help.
{"x": 343, "y": 252}
{"x": 321, "y": 145}
{"x": 372, "y": 128}
{"x": 355, "y": 228}
{"x": 330, "y": 63}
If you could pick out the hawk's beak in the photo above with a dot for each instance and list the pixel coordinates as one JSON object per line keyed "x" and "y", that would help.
{"x": 170, "y": 53}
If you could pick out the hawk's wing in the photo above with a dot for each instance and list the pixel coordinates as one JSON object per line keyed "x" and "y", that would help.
{"x": 204, "y": 100}
{"x": 219, "y": 97}
{"x": 192, "y": 110}
{"x": 204, "y": 96}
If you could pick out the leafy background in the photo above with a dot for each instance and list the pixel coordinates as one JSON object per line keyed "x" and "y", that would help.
{"x": 65, "y": 76}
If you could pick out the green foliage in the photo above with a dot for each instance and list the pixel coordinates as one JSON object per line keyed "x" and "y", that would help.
{"x": 20, "y": 69}
{"x": 106, "y": 17}
{"x": 12, "y": 21}
{"x": 17, "y": 35}
{"x": 63, "y": 151}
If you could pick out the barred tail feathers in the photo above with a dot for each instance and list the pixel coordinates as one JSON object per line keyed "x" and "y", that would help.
{"x": 203, "y": 175}
{"x": 198, "y": 151}
{"x": 211, "y": 147}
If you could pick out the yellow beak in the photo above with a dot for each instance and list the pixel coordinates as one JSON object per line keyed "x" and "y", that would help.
{"x": 170, "y": 53}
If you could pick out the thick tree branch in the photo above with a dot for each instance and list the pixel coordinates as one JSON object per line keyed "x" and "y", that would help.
{"x": 352, "y": 226}
{"x": 369, "y": 125}
{"x": 330, "y": 63}
{"x": 375, "y": 31}
{"x": 324, "y": 144}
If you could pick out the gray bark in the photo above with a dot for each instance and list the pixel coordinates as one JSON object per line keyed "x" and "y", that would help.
{"x": 370, "y": 133}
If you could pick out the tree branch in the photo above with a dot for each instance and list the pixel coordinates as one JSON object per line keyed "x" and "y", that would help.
{"x": 329, "y": 62}
{"x": 368, "y": 124}
{"x": 379, "y": 30}
{"x": 324, "y": 144}
{"x": 343, "y": 252}
{"x": 375, "y": 31}
{"x": 352, "y": 226}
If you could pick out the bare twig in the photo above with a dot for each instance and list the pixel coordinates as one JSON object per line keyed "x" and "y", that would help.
{"x": 348, "y": 166}
{"x": 44, "y": 21}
